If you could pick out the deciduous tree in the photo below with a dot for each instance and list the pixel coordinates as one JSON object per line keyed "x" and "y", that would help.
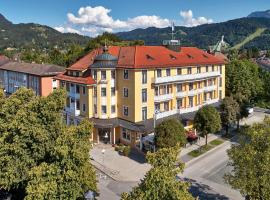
{"x": 170, "y": 133}
{"x": 207, "y": 120}
{"x": 229, "y": 112}
{"x": 160, "y": 182}
{"x": 41, "y": 158}
{"x": 250, "y": 162}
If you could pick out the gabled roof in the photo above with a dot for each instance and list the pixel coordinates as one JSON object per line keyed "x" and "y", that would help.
{"x": 34, "y": 69}
{"x": 151, "y": 57}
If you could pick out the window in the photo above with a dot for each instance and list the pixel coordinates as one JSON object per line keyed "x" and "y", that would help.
{"x": 77, "y": 74}
{"x": 189, "y": 70}
{"x": 103, "y": 92}
{"x": 179, "y": 103}
{"x": 68, "y": 102}
{"x": 113, "y": 91}
{"x": 144, "y": 76}
{"x": 166, "y": 106}
{"x": 179, "y": 71}
{"x": 103, "y": 75}
{"x": 190, "y": 86}
{"x": 198, "y": 70}
{"x": 125, "y": 74}
{"x": 77, "y": 89}
{"x": 205, "y": 96}
{"x": 125, "y": 134}
{"x": 158, "y": 72}
{"x": 211, "y": 95}
{"x": 157, "y": 107}
{"x": 156, "y": 91}
{"x": 63, "y": 83}
{"x": 84, "y": 108}
{"x": 220, "y": 94}
{"x": 95, "y": 74}
{"x": 199, "y": 84}
{"x": 213, "y": 68}
{"x": 220, "y": 82}
{"x": 95, "y": 92}
{"x": 125, "y": 92}
{"x": 168, "y": 72}
{"x": 83, "y": 90}
{"x": 205, "y": 83}
{"x": 95, "y": 108}
{"x": 199, "y": 99}
{"x": 113, "y": 74}
{"x": 144, "y": 113}
{"x": 179, "y": 87}
{"x": 103, "y": 109}
{"x": 206, "y": 68}
{"x": 54, "y": 84}
{"x": 168, "y": 89}
{"x": 190, "y": 101}
{"x": 220, "y": 69}
{"x": 77, "y": 104}
{"x": 113, "y": 109}
{"x": 144, "y": 95}
{"x": 125, "y": 108}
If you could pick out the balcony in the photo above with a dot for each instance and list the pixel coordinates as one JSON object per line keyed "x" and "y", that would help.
{"x": 163, "y": 97}
{"x": 211, "y": 101}
{"x": 210, "y": 88}
{"x": 181, "y": 94}
{"x": 166, "y": 114}
{"x": 72, "y": 109}
{"x": 192, "y": 92}
{"x": 186, "y": 77}
{"x": 189, "y": 109}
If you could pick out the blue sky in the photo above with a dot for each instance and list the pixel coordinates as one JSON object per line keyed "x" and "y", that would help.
{"x": 119, "y": 15}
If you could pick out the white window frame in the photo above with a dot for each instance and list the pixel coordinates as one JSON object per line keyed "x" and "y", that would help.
{"x": 125, "y": 88}
{"x": 124, "y": 111}
{"x": 127, "y": 132}
{"x": 124, "y": 72}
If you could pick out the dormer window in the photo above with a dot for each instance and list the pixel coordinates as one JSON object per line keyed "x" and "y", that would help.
{"x": 189, "y": 56}
{"x": 149, "y": 57}
{"x": 77, "y": 74}
{"x": 172, "y": 57}
{"x": 205, "y": 56}
{"x": 95, "y": 74}
{"x": 168, "y": 72}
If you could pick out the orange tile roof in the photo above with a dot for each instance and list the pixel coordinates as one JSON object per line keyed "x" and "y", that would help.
{"x": 151, "y": 57}
{"x": 86, "y": 80}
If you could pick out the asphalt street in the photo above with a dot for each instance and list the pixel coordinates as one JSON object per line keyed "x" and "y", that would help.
{"x": 206, "y": 175}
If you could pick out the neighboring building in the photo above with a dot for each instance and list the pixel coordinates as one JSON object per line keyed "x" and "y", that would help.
{"x": 123, "y": 89}
{"x": 14, "y": 75}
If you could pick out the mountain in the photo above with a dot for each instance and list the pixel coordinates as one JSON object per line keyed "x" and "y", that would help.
{"x": 237, "y": 32}
{"x": 265, "y": 14}
{"x": 35, "y": 35}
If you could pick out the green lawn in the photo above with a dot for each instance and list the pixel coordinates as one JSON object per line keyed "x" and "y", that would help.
{"x": 203, "y": 149}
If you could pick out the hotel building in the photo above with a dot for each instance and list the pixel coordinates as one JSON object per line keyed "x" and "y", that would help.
{"x": 126, "y": 91}
{"x": 37, "y": 77}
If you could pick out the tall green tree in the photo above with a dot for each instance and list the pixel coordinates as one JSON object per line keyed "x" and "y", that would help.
{"x": 229, "y": 110}
{"x": 250, "y": 162}
{"x": 41, "y": 158}
{"x": 207, "y": 120}
{"x": 170, "y": 133}
{"x": 160, "y": 182}
{"x": 242, "y": 78}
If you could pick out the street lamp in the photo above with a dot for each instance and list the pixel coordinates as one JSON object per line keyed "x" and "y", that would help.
{"x": 106, "y": 137}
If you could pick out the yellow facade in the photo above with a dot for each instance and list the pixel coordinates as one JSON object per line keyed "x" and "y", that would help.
{"x": 206, "y": 89}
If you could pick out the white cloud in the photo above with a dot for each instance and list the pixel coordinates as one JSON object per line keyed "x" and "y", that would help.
{"x": 94, "y": 21}
{"x": 189, "y": 20}
{"x": 67, "y": 30}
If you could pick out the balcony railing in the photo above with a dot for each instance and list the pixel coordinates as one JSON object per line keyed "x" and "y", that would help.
{"x": 185, "y": 77}
{"x": 166, "y": 114}
{"x": 210, "y": 88}
{"x": 181, "y": 94}
{"x": 163, "y": 97}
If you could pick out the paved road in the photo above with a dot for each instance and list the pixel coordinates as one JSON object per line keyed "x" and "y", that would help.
{"x": 206, "y": 175}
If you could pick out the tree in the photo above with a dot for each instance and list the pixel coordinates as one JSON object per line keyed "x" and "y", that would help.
{"x": 268, "y": 54}
{"x": 207, "y": 120}
{"x": 170, "y": 133}
{"x": 40, "y": 157}
{"x": 229, "y": 112}
{"x": 242, "y": 77}
{"x": 160, "y": 181}
{"x": 250, "y": 162}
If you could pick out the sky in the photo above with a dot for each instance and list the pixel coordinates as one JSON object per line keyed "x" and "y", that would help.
{"x": 92, "y": 17}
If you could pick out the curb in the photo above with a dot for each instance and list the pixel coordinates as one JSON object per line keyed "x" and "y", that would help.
{"x": 94, "y": 163}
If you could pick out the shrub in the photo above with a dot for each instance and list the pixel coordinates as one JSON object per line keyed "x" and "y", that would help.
{"x": 126, "y": 150}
